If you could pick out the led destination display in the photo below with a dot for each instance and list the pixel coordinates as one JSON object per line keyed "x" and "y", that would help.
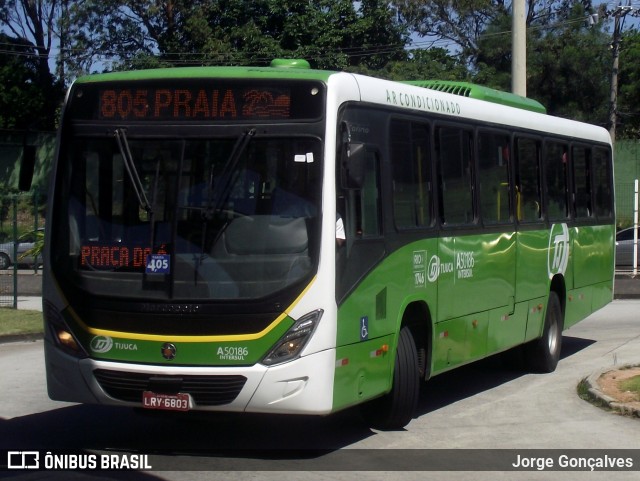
{"x": 195, "y": 103}
{"x": 197, "y": 100}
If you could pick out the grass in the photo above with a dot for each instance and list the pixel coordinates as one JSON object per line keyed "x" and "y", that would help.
{"x": 632, "y": 385}
{"x": 14, "y": 322}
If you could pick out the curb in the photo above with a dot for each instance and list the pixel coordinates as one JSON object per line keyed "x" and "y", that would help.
{"x": 36, "y": 336}
{"x": 595, "y": 394}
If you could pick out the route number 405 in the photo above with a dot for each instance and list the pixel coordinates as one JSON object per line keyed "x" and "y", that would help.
{"x": 158, "y": 264}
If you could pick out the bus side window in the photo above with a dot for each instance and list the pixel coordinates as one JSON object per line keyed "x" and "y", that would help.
{"x": 528, "y": 193}
{"x": 493, "y": 175}
{"x": 368, "y": 222}
{"x": 453, "y": 147}
{"x": 602, "y": 180}
{"x": 411, "y": 174}
{"x": 555, "y": 173}
{"x": 581, "y": 162}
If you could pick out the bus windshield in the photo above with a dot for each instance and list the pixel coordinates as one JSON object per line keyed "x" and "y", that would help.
{"x": 180, "y": 218}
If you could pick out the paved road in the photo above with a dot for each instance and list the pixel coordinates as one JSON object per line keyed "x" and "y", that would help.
{"x": 482, "y": 406}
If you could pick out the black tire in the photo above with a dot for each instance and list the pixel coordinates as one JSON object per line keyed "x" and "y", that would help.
{"x": 395, "y": 409}
{"x": 543, "y": 354}
{"x": 5, "y": 262}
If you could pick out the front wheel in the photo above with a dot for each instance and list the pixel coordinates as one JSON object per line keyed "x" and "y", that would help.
{"x": 542, "y": 355}
{"x": 395, "y": 409}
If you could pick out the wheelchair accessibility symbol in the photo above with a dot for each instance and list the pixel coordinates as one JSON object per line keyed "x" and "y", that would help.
{"x": 364, "y": 328}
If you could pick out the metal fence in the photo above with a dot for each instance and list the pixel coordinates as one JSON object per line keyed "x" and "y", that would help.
{"x": 625, "y": 204}
{"x": 21, "y": 217}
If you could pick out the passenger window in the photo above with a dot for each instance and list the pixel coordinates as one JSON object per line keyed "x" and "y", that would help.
{"x": 455, "y": 164}
{"x": 411, "y": 174}
{"x": 555, "y": 167}
{"x": 580, "y": 157}
{"x": 368, "y": 210}
{"x": 493, "y": 175}
{"x": 528, "y": 192}
{"x": 602, "y": 181}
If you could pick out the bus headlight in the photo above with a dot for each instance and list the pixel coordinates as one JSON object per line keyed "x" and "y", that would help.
{"x": 291, "y": 344}
{"x": 61, "y": 333}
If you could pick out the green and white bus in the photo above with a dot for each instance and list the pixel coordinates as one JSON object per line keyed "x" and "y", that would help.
{"x": 288, "y": 240}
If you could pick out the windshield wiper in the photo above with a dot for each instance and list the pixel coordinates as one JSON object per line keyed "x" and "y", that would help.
{"x": 130, "y": 166}
{"x": 228, "y": 174}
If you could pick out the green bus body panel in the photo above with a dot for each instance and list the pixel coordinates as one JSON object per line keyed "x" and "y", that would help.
{"x": 191, "y": 353}
{"x": 380, "y": 298}
{"x": 461, "y": 340}
{"x": 363, "y": 371}
{"x": 532, "y": 279}
{"x": 592, "y": 256}
{"x": 536, "y": 309}
{"x": 485, "y": 294}
{"x": 476, "y": 274}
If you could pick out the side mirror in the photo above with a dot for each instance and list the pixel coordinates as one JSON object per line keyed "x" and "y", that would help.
{"x": 353, "y": 165}
{"x": 27, "y": 167}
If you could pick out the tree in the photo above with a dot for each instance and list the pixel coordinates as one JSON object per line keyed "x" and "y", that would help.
{"x": 31, "y": 24}
{"x": 423, "y": 64}
{"x": 329, "y": 33}
{"x": 570, "y": 70}
{"x": 567, "y": 63}
{"x": 22, "y": 101}
{"x": 629, "y": 86}
{"x": 463, "y": 25}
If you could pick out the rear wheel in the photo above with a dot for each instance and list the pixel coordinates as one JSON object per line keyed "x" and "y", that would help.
{"x": 395, "y": 409}
{"x": 542, "y": 355}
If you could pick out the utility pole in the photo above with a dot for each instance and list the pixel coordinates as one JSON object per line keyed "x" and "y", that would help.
{"x": 518, "y": 48}
{"x": 618, "y": 15}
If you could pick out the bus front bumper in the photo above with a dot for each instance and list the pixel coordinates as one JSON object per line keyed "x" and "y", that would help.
{"x": 301, "y": 386}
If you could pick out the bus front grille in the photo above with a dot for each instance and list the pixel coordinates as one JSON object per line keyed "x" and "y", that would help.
{"x": 205, "y": 390}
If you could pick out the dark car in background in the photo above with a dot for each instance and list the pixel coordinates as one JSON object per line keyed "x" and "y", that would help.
{"x": 624, "y": 247}
{"x": 25, "y": 244}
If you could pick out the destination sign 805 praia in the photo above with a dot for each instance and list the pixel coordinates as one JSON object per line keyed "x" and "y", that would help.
{"x": 194, "y": 103}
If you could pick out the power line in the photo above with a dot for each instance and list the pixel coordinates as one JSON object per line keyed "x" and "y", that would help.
{"x": 193, "y": 57}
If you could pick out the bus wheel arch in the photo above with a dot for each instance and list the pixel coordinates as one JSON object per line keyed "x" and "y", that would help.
{"x": 542, "y": 354}
{"x": 417, "y": 317}
{"x": 395, "y": 409}
{"x": 558, "y": 286}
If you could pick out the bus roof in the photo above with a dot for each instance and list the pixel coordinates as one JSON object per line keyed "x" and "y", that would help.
{"x": 386, "y": 92}
{"x": 210, "y": 72}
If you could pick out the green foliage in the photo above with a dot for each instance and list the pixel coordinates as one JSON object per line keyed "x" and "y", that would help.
{"x": 33, "y": 93}
{"x": 22, "y": 100}
{"x": 332, "y": 34}
{"x": 629, "y": 82}
{"x": 569, "y": 70}
{"x": 435, "y": 63}
{"x": 568, "y": 65}
{"x": 38, "y": 244}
